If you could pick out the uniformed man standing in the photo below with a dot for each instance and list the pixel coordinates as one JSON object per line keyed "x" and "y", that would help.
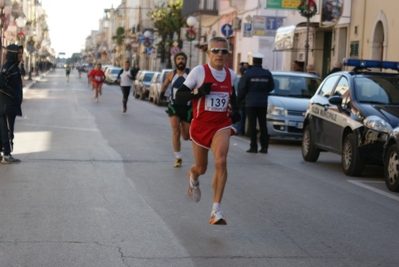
{"x": 254, "y": 90}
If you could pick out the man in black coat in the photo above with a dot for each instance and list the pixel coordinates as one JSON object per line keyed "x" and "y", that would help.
{"x": 10, "y": 100}
{"x": 255, "y": 87}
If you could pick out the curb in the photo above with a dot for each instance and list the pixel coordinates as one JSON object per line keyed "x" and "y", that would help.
{"x": 29, "y": 83}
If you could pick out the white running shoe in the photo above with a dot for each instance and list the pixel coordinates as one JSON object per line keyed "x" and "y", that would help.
{"x": 193, "y": 191}
{"x": 217, "y": 217}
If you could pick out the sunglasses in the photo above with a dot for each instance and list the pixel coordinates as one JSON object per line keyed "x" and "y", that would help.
{"x": 224, "y": 51}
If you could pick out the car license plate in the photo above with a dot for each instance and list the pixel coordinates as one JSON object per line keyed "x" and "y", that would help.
{"x": 299, "y": 125}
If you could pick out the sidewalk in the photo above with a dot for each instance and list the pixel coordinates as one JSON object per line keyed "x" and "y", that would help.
{"x": 28, "y": 83}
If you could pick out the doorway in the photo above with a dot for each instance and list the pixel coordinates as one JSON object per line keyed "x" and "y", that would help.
{"x": 326, "y": 53}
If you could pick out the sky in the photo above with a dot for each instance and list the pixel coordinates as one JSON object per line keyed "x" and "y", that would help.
{"x": 71, "y": 21}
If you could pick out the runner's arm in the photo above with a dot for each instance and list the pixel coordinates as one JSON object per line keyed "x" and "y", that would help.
{"x": 119, "y": 74}
{"x": 165, "y": 84}
{"x": 184, "y": 94}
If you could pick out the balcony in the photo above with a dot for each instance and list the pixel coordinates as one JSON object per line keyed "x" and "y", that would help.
{"x": 200, "y": 7}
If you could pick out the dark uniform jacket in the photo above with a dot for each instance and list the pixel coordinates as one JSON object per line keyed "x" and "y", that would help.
{"x": 254, "y": 87}
{"x": 11, "y": 87}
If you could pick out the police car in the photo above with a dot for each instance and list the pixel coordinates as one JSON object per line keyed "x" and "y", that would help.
{"x": 391, "y": 161}
{"x": 352, "y": 114}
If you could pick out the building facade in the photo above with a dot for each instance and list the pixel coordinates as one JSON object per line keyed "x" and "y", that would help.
{"x": 357, "y": 28}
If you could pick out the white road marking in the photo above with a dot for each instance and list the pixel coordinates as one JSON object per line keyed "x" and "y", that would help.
{"x": 378, "y": 191}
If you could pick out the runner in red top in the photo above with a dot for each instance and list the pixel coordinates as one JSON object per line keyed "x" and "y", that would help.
{"x": 210, "y": 88}
{"x": 97, "y": 78}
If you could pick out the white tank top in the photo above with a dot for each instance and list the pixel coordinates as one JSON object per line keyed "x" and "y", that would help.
{"x": 125, "y": 80}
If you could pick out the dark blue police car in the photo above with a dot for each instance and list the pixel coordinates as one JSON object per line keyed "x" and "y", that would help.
{"x": 352, "y": 114}
{"x": 391, "y": 161}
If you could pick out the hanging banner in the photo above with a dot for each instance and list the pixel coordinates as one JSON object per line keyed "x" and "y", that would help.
{"x": 331, "y": 12}
{"x": 282, "y": 4}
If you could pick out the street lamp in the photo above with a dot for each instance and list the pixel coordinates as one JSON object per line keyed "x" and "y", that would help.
{"x": 20, "y": 21}
{"x": 147, "y": 42}
{"x": 191, "y": 34}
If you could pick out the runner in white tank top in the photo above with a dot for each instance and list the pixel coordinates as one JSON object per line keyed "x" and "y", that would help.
{"x": 125, "y": 80}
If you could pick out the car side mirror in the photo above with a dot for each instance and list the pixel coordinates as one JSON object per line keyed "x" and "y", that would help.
{"x": 337, "y": 101}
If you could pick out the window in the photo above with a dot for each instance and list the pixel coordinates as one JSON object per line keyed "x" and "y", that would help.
{"x": 328, "y": 86}
{"x": 354, "y": 49}
{"x": 342, "y": 89}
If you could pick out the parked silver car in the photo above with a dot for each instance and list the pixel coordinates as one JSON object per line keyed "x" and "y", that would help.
{"x": 142, "y": 84}
{"x": 111, "y": 75}
{"x": 288, "y": 102}
{"x": 157, "y": 88}
{"x": 153, "y": 86}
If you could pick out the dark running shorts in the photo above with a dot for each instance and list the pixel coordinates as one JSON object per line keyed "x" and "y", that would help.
{"x": 185, "y": 113}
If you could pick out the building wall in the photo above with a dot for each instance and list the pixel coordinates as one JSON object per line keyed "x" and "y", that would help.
{"x": 374, "y": 42}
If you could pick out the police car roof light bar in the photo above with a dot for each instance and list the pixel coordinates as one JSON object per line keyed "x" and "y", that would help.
{"x": 363, "y": 64}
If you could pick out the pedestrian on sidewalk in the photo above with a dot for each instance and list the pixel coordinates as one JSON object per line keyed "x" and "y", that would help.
{"x": 180, "y": 113}
{"x": 210, "y": 87}
{"x": 10, "y": 100}
{"x": 125, "y": 78}
{"x": 240, "y": 125}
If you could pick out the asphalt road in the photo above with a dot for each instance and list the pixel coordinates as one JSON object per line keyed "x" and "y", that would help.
{"x": 97, "y": 187}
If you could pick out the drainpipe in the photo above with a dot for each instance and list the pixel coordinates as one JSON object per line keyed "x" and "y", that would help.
{"x": 364, "y": 18}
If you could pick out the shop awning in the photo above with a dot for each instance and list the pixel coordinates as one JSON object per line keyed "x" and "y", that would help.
{"x": 284, "y": 39}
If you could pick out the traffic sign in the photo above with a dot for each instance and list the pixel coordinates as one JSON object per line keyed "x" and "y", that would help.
{"x": 259, "y": 25}
{"x": 247, "y": 30}
{"x": 148, "y": 50}
{"x": 266, "y": 26}
{"x": 272, "y": 24}
{"x": 227, "y": 30}
{"x": 174, "y": 50}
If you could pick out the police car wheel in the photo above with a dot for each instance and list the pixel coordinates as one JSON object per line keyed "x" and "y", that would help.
{"x": 350, "y": 159}
{"x": 309, "y": 151}
{"x": 391, "y": 168}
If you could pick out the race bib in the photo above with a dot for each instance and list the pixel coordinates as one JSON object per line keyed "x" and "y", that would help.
{"x": 97, "y": 78}
{"x": 217, "y": 101}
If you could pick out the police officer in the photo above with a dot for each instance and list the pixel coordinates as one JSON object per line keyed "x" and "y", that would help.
{"x": 254, "y": 90}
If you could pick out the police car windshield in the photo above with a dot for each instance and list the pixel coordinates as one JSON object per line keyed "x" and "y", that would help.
{"x": 377, "y": 90}
{"x": 295, "y": 86}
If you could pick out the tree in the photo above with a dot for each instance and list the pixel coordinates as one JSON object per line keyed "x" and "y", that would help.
{"x": 168, "y": 21}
